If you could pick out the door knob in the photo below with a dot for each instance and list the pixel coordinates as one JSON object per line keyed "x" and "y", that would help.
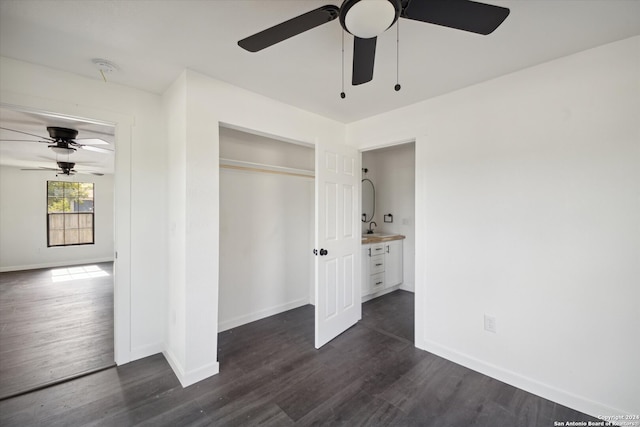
{"x": 323, "y": 252}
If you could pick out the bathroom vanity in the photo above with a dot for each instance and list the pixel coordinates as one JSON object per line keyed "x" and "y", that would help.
{"x": 381, "y": 264}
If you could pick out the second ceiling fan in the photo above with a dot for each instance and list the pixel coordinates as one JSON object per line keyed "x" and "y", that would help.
{"x": 61, "y": 140}
{"x": 367, "y": 19}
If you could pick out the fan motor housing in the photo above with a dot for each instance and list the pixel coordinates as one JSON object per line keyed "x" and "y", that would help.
{"x": 64, "y": 134}
{"x": 66, "y": 165}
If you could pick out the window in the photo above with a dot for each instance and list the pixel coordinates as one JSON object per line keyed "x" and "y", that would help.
{"x": 69, "y": 213}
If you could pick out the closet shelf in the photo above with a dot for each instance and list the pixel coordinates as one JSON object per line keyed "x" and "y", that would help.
{"x": 260, "y": 167}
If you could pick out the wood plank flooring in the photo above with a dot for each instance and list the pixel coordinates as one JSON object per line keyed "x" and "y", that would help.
{"x": 271, "y": 375}
{"x": 54, "y": 324}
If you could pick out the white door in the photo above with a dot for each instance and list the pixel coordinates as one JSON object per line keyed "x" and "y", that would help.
{"x": 337, "y": 292}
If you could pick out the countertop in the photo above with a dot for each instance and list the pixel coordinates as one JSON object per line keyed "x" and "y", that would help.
{"x": 380, "y": 237}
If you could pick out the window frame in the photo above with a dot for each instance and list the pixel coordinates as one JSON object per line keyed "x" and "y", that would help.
{"x": 92, "y": 213}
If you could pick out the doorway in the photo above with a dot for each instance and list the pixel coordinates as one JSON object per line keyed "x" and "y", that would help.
{"x": 332, "y": 198}
{"x": 57, "y": 296}
{"x": 266, "y": 227}
{"x": 391, "y": 169}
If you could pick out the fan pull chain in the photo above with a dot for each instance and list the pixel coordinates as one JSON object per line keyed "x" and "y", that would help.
{"x": 397, "y": 86}
{"x": 342, "y": 94}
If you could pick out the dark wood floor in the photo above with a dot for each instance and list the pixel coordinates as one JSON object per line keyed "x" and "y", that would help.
{"x": 272, "y": 375}
{"x": 54, "y": 324}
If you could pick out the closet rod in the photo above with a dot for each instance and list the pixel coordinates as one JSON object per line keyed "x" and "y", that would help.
{"x": 257, "y": 167}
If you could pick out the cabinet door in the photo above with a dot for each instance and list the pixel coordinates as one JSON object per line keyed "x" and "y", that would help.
{"x": 366, "y": 282}
{"x": 393, "y": 263}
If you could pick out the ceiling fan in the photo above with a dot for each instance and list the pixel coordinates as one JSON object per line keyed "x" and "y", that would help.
{"x": 62, "y": 140}
{"x": 367, "y": 19}
{"x": 64, "y": 168}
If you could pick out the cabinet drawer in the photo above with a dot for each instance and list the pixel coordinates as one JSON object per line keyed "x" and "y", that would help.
{"x": 377, "y": 249}
{"x": 377, "y": 282}
{"x": 377, "y": 264}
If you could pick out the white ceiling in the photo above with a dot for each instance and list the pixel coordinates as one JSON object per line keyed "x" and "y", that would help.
{"x": 153, "y": 41}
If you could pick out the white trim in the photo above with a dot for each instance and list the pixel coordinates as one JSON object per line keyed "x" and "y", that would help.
{"x": 260, "y": 314}
{"x": 123, "y": 124}
{"x": 546, "y": 391}
{"x": 188, "y": 378}
{"x": 146, "y": 351}
{"x": 55, "y": 264}
{"x": 175, "y": 366}
{"x": 369, "y": 297}
{"x": 409, "y": 287}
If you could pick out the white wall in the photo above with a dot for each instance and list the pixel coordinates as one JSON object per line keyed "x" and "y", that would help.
{"x": 392, "y": 171}
{"x": 174, "y": 108}
{"x": 266, "y": 230}
{"x": 527, "y": 207}
{"x": 139, "y": 181}
{"x": 239, "y": 145}
{"x": 208, "y": 103}
{"x": 23, "y": 223}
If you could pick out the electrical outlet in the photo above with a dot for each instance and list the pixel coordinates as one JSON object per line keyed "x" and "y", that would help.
{"x": 489, "y": 323}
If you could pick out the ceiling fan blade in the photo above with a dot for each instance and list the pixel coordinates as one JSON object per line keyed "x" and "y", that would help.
{"x": 41, "y": 168}
{"x": 364, "y": 55}
{"x": 27, "y": 133}
{"x": 94, "y": 149}
{"x": 23, "y": 140}
{"x": 464, "y": 15}
{"x": 289, "y": 28}
{"x": 91, "y": 141}
{"x": 89, "y": 173}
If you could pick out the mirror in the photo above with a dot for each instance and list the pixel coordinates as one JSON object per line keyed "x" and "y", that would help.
{"x": 368, "y": 200}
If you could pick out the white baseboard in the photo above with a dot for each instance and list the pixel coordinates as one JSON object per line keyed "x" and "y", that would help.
{"x": 224, "y": 325}
{"x": 146, "y": 351}
{"x": 546, "y": 391}
{"x": 54, "y": 264}
{"x": 191, "y": 377}
{"x": 366, "y": 298}
{"x": 409, "y": 287}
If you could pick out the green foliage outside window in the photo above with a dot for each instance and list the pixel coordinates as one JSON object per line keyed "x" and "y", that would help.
{"x": 69, "y": 197}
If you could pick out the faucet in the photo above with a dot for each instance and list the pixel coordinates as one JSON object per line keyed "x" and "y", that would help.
{"x": 370, "y": 231}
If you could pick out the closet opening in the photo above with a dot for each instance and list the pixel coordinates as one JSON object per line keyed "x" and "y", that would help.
{"x": 267, "y": 218}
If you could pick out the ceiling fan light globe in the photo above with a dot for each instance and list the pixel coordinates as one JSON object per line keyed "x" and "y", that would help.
{"x": 370, "y": 18}
{"x": 62, "y": 150}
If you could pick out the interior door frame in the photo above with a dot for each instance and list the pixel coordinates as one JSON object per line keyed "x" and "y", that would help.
{"x": 122, "y": 201}
{"x": 312, "y": 144}
{"x": 419, "y": 286}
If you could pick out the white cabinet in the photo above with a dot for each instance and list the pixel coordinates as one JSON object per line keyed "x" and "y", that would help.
{"x": 366, "y": 280}
{"x": 381, "y": 266}
{"x": 393, "y": 262}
